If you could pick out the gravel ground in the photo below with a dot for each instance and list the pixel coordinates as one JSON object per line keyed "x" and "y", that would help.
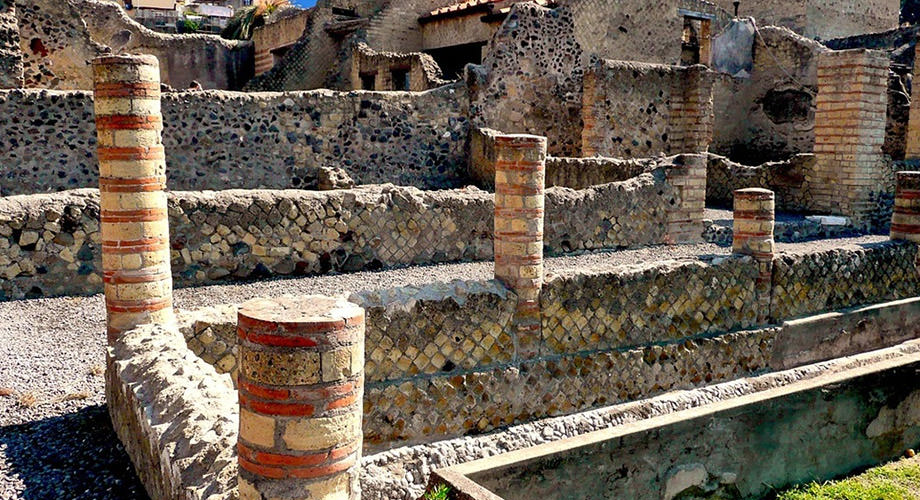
{"x": 55, "y": 437}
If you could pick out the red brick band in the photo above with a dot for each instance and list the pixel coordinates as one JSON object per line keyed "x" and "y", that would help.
{"x": 135, "y": 90}
{"x": 279, "y": 472}
{"x": 518, "y": 190}
{"x": 758, "y": 215}
{"x": 122, "y": 247}
{"x": 519, "y": 166}
{"x": 296, "y": 460}
{"x": 137, "y": 306}
{"x": 129, "y": 122}
{"x": 131, "y": 154}
{"x": 133, "y": 185}
{"x": 120, "y": 216}
{"x": 146, "y": 275}
{"x": 905, "y": 228}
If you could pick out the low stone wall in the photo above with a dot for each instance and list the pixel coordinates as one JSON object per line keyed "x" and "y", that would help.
{"x": 785, "y": 178}
{"x": 226, "y": 140}
{"x": 162, "y": 397}
{"x": 50, "y": 244}
{"x": 808, "y": 282}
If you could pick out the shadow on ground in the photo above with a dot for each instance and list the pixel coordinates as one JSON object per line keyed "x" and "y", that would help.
{"x": 72, "y": 456}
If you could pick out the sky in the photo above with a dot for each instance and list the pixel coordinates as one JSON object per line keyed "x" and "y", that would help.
{"x": 303, "y": 3}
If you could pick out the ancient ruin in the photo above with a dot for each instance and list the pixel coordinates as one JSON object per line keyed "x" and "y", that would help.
{"x": 483, "y": 250}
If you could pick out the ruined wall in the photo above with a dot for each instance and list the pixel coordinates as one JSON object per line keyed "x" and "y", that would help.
{"x": 769, "y": 116}
{"x": 49, "y": 244}
{"x": 278, "y": 33}
{"x": 531, "y": 80}
{"x": 423, "y": 72}
{"x": 222, "y": 140}
{"x": 628, "y": 29}
{"x": 59, "y": 38}
{"x": 785, "y": 178}
{"x": 637, "y": 110}
{"x": 10, "y": 52}
{"x": 822, "y": 19}
{"x": 309, "y": 61}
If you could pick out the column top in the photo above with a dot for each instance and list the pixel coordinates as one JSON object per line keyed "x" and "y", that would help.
{"x": 302, "y": 314}
{"x": 127, "y": 59}
{"x": 755, "y": 193}
{"x": 519, "y": 139}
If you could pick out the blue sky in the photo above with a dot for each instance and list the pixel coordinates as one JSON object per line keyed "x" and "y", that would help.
{"x": 303, "y": 3}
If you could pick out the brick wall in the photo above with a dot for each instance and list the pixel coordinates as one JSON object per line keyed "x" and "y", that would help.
{"x": 852, "y": 102}
{"x": 278, "y": 34}
{"x": 635, "y": 110}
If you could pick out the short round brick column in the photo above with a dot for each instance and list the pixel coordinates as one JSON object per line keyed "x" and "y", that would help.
{"x": 132, "y": 180}
{"x": 905, "y": 221}
{"x": 520, "y": 178}
{"x": 754, "y": 220}
{"x": 301, "y": 383}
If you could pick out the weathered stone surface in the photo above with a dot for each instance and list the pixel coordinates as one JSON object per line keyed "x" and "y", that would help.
{"x": 226, "y": 140}
{"x": 175, "y": 415}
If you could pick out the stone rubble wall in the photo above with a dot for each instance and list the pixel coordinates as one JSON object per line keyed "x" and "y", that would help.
{"x": 637, "y": 110}
{"x": 50, "y": 243}
{"x": 785, "y": 178}
{"x": 176, "y": 417}
{"x": 445, "y": 361}
{"x": 809, "y": 282}
{"x": 531, "y": 78}
{"x": 227, "y": 140}
{"x": 60, "y": 37}
{"x": 10, "y": 52}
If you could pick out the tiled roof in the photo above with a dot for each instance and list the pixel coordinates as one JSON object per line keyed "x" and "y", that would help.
{"x": 468, "y": 5}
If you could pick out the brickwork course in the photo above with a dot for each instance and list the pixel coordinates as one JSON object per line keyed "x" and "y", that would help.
{"x": 905, "y": 221}
{"x": 849, "y": 132}
{"x": 912, "y": 146}
{"x": 132, "y": 183}
{"x": 301, "y": 384}
{"x": 520, "y": 174}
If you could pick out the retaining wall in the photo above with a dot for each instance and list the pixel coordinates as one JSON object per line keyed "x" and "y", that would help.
{"x": 49, "y": 244}
{"x": 443, "y": 360}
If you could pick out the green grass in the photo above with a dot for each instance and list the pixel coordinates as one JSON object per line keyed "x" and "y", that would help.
{"x": 440, "y": 492}
{"x": 895, "y": 481}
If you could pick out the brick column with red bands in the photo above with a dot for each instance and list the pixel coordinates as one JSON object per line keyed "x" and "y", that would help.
{"x": 905, "y": 221}
{"x": 754, "y": 221}
{"x": 301, "y": 386}
{"x": 132, "y": 180}
{"x": 520, "y": 171}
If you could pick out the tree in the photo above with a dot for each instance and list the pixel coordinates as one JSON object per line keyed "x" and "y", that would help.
{"x": 242, "y": 24}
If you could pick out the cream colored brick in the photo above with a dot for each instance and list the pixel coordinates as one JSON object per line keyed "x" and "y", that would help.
{"x": 257, "y": 429}
{"x": 320, "y": 433}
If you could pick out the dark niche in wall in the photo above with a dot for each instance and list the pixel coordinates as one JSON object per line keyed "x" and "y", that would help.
{"x": 785, "y": 106}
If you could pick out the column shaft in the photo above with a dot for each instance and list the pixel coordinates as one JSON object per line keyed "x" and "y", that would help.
{"x": 132, "y": 197}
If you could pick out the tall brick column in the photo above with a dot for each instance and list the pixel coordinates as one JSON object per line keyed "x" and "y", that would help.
{"x": 685, "y": 219}
{"x": 754, "y": 220}
{"x": 301, "y": 383}
{"x": 905, "y": 221}
{"x": 850, "y": 123}
{"x": 520, "y": 172}
{"x": 132, "y": 180}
